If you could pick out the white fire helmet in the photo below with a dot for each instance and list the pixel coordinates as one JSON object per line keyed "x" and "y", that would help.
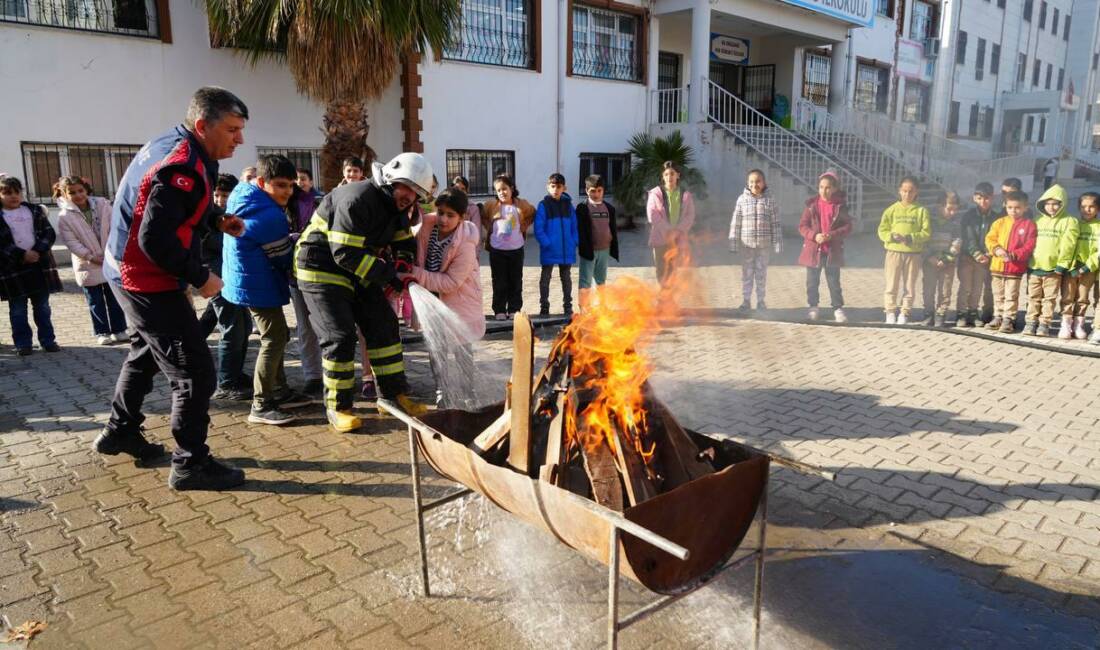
{"x": 411, "y": 169}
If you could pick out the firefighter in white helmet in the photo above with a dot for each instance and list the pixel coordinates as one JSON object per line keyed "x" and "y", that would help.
{"x": 357, "y": 241}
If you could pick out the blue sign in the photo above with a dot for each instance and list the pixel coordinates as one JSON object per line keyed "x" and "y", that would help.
{"x": 729, "y": 49}
{"x": 856, "y": 12}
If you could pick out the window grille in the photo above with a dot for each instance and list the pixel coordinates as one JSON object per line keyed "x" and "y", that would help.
{"x": 102, "y": 165}
{"x": 611, "y": 166}
{"x": 495, "y": 32}
{"x": 815, "y": 78}
{"x": 480, "y": 167}
{"x": 605, "y": 44}
{"x": 872, "y": 88}
{"x": 302, "y": 157}
{"x": 127, "y": 17}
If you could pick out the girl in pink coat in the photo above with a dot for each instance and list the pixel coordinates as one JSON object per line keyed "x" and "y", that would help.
{"x": 83, "y": 225}
{"x": 447, "y": 265}
{"x": 670, "y": 211}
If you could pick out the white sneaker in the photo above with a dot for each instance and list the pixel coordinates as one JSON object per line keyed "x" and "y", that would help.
{"x": 1094, "y": 338}
{"x": 903, "y": 318}
{"x": 104, "y": 339}
{"x": 1079, "y": 331}
{"x": 813, "y": 314}
{"x": 891, "y": 318}
{"x": 1065, "y": 330}
{"x": 840, "y": 316}
{"x": 121, "y": 337}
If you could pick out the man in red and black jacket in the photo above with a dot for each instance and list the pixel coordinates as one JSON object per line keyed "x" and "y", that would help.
{"x": 153, "y": 257}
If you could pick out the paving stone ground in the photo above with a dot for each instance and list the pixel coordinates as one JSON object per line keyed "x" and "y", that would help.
{"x": 966, "y": 510}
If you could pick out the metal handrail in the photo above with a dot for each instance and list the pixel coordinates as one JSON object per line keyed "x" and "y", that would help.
{"x": 875, "y": 162}
{"x": 781, "y": 147}
{"x": 669, "y": 106}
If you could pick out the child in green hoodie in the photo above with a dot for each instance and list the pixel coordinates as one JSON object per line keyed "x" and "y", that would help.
{"x": 1077, "y": 283}
{"x": 904, "y": 228}
{"x": 940, "y": 256}
{"x": 1053, "y": 257}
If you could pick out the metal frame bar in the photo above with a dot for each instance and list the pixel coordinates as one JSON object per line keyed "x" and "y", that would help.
{"x": 619, "y": 524}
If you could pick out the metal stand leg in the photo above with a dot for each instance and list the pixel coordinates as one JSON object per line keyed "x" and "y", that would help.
{"x": 613, "y": 591}
{"x": 414, "y": 460}
{"x": 758, "y": 588}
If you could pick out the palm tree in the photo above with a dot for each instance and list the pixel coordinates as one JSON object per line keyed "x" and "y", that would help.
{"x": 341, "y": 53}
{"x": 647, "y": 157}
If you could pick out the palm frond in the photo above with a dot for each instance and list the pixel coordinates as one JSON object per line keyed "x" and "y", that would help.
{"x": 647, "y": 157}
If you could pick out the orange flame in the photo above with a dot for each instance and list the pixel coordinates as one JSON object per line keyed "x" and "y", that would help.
{"x": 607, "y": 343}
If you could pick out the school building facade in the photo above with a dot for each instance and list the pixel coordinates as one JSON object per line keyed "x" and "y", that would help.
{"x": 874, "y": 88}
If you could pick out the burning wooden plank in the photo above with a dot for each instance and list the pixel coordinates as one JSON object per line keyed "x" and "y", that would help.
{"x": 632, "y": 466}
{"x": 523, "y": 359}
{"x": 603, "y": 474}
{"x": 494, "y": 434}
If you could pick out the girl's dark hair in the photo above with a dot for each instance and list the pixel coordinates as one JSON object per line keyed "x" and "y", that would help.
{"x": 454, "y": 199}
{"x": 951, "y": 197}
{"x": 507, "y": 180}
{"x": 757, "y": 171}
{"x": 352, "y": 162}
{"x": 1089, "y": 195}
{"x": 668, "y": 164}
{"x": 465, "y": 182}
{"x": 63, "y": 184}
{"x": 909, "y": 179}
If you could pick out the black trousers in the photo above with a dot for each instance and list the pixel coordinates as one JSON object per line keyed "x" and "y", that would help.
{"x": 167, "y": 338}
{"x": 813, "y": 284}
{"x": 566, "y": 286}
{"x": 335, "y": 312}
{"x": 507, "y": 270}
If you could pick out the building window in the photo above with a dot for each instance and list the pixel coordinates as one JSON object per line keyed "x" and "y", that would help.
{"x": 480, "y": 167}
{"x": 1050, "y": 75}
{"x": 128, "y": 17}
{"x": 1042, "y": 137}
{"x": 1027, "y": 10}
{"x": 495, "y": 32}
{"x": 1054, "y": 23}
{"x": 815, "y": 77}
{"x": 606, "y": 44}
{"x": 1043, "y": 14}
{"x": 1065, "y": 30}
{"x": 915, "y": 103}
{"x": 611, "y": 166}
{"x": 960, "y": 49}
{"x": 979, "y": 60}
{"x": 101, "y": 164}
{"x": 302, "y": 157}
{"x": 1061, "y": 77}
{"x": 872, "y": 88}
{"x": 972, "y": 131}
{"x": 1021, "y": 68}
{"x": 884, "y": 8}
{"x": 1095, "y": 59}
{"x": 995, "y": 59}
{"x": 1000, "y": 4}
{"x": 1036, "y": 71}
{"x": 953, "y": 119}
{"x": 1029, "y": 128}
{"x": 920, "y": 22}
{"x": 987, "y": 123}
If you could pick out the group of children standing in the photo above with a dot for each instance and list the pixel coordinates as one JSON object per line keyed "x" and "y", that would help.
{"x": 991, "y": 252}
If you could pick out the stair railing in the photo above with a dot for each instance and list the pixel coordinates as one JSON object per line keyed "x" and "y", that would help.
{"x": 783, "y": 148}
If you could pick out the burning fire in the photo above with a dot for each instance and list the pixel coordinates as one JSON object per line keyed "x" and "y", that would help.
{"x": 606, "y": 344}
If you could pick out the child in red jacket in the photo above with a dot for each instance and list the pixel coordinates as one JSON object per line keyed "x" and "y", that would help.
{"x": 824, "y": 226}
{"x": 1010, "y": 241}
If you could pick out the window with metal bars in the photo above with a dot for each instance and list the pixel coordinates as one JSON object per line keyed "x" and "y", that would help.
{"x": 102, "y": 165}
{"x": 611, "y": 166}
{"x": 920, "y": 21}
{"x": 872, "y": 88}
{"x": 815, "y": 77}
{"x": 303, "y": 158}
{"x": 606, "y": 44}
{"x": 884, "y": 8}
{"x": 126, "y": 17}
{"x": 480, "y": 167}
{"x": 495, "y": 32}
{"x": 979, "y": 60}
{"x": 914, "y": 107}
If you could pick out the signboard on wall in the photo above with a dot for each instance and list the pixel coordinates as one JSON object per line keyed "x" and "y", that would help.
{"x": 910, "y": 64}
{"x": 856, "y": 12}
{"x": 729, "y": 49}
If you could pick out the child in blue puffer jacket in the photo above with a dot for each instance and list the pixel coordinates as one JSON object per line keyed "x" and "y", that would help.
{"x": 257, "y": 276}
{"x": 556, "y": 232}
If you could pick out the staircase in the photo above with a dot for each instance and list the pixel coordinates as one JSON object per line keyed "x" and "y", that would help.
{"x": 798, "y": 161}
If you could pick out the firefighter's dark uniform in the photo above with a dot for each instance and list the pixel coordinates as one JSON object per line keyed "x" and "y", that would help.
{"x": 341, "y": 271}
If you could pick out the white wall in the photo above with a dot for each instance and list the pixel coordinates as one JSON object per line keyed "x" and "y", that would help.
{"x": 81, "y": 87}
{"x": 473, "y": 106}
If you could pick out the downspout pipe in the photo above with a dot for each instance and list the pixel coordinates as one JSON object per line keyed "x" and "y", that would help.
{"x": 560, "y": 104}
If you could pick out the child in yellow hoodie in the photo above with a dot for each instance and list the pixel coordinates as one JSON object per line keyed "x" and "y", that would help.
{"x": 1077, "y": 283}
{"x": 1053, "y": 257}
{"x": 904, "y": 228}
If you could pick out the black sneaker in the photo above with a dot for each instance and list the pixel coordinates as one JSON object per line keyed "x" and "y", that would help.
{"x": 52, "y": 347}
{"x": 760, "y": 306}
{"x": 234, "y": 394}
{"x": 929, "y": 321}
{"x": 110, "y": 443}
{"x": 745, "y": 308}
{"x": 292, "y": 399}
{"x": 207, "y": 474}
{"x": 545, "y": 311}
{"x": 269, "y": 415}
{"x": 567, "y": 311}
{"x": 24, "y": 352}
